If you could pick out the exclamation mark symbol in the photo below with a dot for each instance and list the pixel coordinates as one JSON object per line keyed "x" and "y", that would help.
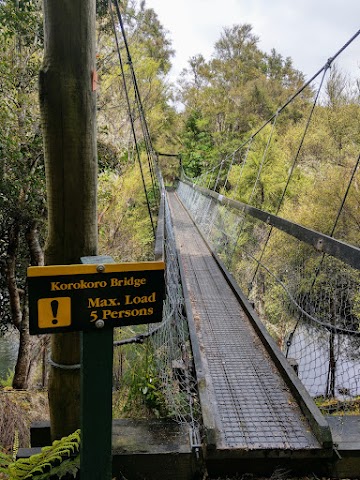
{"x": 54, "y": 308}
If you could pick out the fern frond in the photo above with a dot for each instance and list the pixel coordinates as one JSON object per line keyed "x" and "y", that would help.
{"x": 15, "y": 448}
{"x": 49, "y": 461}
{"x": 5, "y": 460}
{"x": 70, "y": 466}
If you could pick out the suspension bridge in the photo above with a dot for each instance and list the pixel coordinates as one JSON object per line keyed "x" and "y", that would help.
{"x": 253, "y": 405}
{"x": 250, "y": 404}
{"x": 243, "y": 402}
{"x": 247, "y": 402}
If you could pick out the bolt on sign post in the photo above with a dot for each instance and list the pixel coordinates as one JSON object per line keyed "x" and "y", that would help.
{"x": 93, "y": 298}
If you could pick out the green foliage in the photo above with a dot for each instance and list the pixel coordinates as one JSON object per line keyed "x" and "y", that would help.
{"x": 229, "y": 96}
{"x": 153, "y": 38}
{"x": 124, "y": 225}
{"x": 7, "y": 380}
{"x": 22, "y": 19}
{"x": 264, "y": 173}
{"x": 326, "y": 289}
{"x": 22, "y": 178}
{"x": 144, "y": 387}
{"x": 62, "y": 458}
{"x": 5, "y": 460}
{"x": 148, "y": 387}
{"x": 333, "y": 406}
{"x": 197, "y": 144}
{"x": 108, "y": 157}
{"x": 150, "y": 54}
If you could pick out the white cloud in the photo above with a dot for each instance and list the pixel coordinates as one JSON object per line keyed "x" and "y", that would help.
{"x": 309, "y": 31}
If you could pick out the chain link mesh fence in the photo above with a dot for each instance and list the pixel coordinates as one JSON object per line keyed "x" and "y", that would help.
{"x": 309, "y": 302}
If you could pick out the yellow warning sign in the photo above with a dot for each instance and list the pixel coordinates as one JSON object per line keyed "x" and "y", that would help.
{"x": 71, "y": 298}
{"x": 54, "y": 312}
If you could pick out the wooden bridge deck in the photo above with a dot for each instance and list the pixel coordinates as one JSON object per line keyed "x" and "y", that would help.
{"x": 252, "y": 406}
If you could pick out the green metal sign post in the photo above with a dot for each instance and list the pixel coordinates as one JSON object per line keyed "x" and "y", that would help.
{"x": 96, "y": 404}
{"x": 96, "y": 399}
{"x": 93, "y": 298}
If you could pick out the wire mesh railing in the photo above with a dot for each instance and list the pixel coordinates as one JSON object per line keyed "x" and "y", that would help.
{"x": 286, "y": 224}
{"x": 308, "y": 301}
{"x": 168, "y": 378}
{"x": 171, "y": 343}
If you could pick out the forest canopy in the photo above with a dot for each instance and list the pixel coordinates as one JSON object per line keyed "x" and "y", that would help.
{"x": 223, "y": 102}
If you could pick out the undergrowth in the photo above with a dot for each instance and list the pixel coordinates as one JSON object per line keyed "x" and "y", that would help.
{"x": 334, "y": 406}
{"x": 7, "y": 380}
{"x": 17, "y": 410}
{"x": 139, "y": 393}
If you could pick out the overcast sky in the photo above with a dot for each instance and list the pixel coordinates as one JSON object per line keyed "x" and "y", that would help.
{"x": 308, "y": 31}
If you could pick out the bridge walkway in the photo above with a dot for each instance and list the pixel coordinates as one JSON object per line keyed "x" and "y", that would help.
{"x": 251, "y": 405}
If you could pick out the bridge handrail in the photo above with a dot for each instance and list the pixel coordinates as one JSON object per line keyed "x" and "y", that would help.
{"x": 349, "y": 254}
{"x": 312, "y": 413}
{"x": 160, "y": 237}
{"x": 160, "y": 229}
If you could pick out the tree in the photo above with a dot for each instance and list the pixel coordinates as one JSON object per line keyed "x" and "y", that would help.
{"x": 343, "y": 114}
{"x": 68, "y": 105}
{"x": 197, "y": 143}
{"x": 21, "y": 175}
{"x": 150, "y": 57}
{"x": 236, "y": 90}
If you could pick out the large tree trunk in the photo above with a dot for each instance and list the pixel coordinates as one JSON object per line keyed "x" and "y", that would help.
{"x": 14, "y": 293}
{"x": 21, "y": 374}
{"x": 37, "y": 344}
{"x": 68, "y": 107}
{"x": 33, "y": 243}
{"x": 18, "y": 303}
{"x": 19, "y": 317}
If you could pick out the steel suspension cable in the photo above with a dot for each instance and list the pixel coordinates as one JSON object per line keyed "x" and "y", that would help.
{"x": 317, "y": 270}
{"x": 301, "y": 89}
{"x": 297, "y": 93}
{"x": 139, "y": 104}
{"x": 292, "y": 169}
{"x": 132, "y": 121}
{"x": 257, "y": 178}
{"x": 228, "y": 172}
{"x": 218, "y": 175}
{"x": 345, "y": 196}
{"x": 250, "y": 140}
{"x": 263, "y": 159}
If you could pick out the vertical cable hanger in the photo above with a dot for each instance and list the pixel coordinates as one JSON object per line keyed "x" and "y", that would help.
{"x": 138, "y": 100}
{"x": 317, "y": 269}
{"x": 292, "y": 169}
{"x": 132, "y": 120}
{"x": 263, "y": 158}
